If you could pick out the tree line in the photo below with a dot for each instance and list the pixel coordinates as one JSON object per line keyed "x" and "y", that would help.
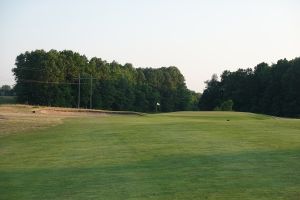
{"x": 68, "y": 79}
{"x": 273, "y": 90}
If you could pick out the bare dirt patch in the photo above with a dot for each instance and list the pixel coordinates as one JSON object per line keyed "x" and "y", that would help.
{"x": 22, "y": 118}
{"x": 67, "y": 112}
{"x": 81, "y": 112}
{"x": 19, "y": 118}
{"x": 2, "y": 117}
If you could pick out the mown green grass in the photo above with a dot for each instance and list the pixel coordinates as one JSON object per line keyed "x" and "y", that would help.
{"x": 184, "y": 155}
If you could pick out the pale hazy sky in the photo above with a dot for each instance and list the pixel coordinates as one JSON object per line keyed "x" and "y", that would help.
{"x": 199, "y": 37}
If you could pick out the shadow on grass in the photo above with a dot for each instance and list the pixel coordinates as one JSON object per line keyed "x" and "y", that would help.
{"x": 250, "y": 175}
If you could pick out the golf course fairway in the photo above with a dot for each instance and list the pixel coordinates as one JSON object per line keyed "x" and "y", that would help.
{"x": 181, "y": 155}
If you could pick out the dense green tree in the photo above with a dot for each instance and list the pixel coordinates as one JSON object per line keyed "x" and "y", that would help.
{"x": 212, "y": 95}
{"x": 226, "y": 105}
{"x": 6, "y": 90}
{"x": 52, "y": 78}
{"x": 273, "y": 90}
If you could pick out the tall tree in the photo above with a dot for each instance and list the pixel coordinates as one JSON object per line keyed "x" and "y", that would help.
{"x": 273, "y": 90}
{"x": 66, "y": 78}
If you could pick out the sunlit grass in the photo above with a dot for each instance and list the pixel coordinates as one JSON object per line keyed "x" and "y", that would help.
{"x": 184, "y": 155}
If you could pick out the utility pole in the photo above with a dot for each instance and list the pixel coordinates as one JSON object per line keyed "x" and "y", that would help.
{"x": 91, "y": 92}
{"x": 78, "y": 105}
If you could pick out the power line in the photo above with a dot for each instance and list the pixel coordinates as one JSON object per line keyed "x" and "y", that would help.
{"x": 46, "y": 82}
{"x": 64, "y": 83}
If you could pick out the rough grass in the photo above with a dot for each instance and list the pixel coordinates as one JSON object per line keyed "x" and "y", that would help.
{"x": 21, "y": 119}
{"x": 184, "y": 155}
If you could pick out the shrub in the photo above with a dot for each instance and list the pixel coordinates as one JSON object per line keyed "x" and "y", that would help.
{"x": 227, "y": 105}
